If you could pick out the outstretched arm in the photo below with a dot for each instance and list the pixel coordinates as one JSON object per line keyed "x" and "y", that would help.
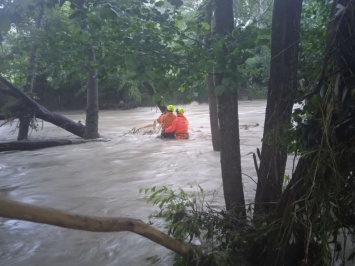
{"x": 172, "y": 128}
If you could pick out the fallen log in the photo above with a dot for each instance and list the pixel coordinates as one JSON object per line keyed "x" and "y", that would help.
{"x": 29, "y": 145}
{"x": 76, "y": 128}
{"x": 28, "y": 212}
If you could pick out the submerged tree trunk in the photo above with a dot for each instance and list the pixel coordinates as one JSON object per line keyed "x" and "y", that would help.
{"x": 26, "y": 145}
{"x": 229, "y": 123}
{"x": 213, "y": 108}
{"x": 281, "y": 93}
{"x": 25, "y": 118}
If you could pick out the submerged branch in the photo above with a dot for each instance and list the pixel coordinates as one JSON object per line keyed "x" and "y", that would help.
{"x": 40, "y": 144}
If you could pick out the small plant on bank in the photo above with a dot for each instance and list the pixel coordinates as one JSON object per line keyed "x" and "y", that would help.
{"x": 190, "y": 218}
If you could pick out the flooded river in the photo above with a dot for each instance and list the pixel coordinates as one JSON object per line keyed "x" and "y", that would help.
{"x": 103, "y": 179}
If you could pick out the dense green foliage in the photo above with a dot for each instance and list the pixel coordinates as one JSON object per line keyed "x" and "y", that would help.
{"x": 168, "y": 43}
{"x": 134, "y": 41}
{"x": 315, "y": 218}
{"x": 192, "y": 218}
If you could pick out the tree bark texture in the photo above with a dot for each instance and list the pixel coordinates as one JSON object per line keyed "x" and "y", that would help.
{"x": 230, "y": 153}
{"x": 25, "y": 119}
{"x": 92, "y": 98}
{"x": 210, "y": 84}
{"x": 318, "y": 203}
{"x": 276, "y": 247}
{"x": 92, "y": 106}
{"x": 27, "y": 212}
{"x": 213, "y": 108}
{"x": 42, "y": 112}
{"x": 229, "y": 123}
{"x": 224, "y": 17}
{"x": 282, "y": 90}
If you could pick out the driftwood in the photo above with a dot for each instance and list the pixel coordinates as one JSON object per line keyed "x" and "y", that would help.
{"x": 40, "y": 111}
{"x": 28, "y": 212}
{"x": 26, "y": 145}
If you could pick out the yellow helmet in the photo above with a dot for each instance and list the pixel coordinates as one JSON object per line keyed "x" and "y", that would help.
{"x": 180, "y": 110}
{"x": 170, "y": 108}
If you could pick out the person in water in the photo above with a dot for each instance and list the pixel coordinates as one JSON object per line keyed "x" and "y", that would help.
{"x": 179, "y": 126}
{"x": 166, "y": 119}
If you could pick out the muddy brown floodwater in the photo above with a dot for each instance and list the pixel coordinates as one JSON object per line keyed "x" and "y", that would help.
{"x": 103, "y": 179}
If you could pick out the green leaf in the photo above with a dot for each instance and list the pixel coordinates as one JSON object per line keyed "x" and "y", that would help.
{"x": 176, "y": 3}
{"x": 315, "y": 100}
{"x": 226, "y": 82}
{"x": 220, "y": 89}
{"x": 179, "y": 17}
{"x": 181, "y": 89}
{"x": 159, "y": 3}
{"x": 206, "y": 26}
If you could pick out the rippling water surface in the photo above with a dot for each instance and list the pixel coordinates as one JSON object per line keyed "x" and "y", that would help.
{"x": 103, "y": 179}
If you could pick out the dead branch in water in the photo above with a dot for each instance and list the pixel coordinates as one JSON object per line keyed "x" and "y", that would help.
{"x": 149, "y": 129}
{"x": 41, "y": 144}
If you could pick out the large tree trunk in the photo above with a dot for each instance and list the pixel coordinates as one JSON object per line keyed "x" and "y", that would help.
{"x": 230, "y": 153}
{"x": 281, "y": 248}
{"x": 317, "y": 206}
{"x": 213, "y": 108}
{"x": 22, "y": 211}
{"x": 77, "y": 128}
{"x": 92, "y": 101}
{"x": 210, "y": 84}
{"x": 25, "y": 118}
{"x": 92, "y": 106}
{"x": 229, "y": 123}
{"x": 282, "y": 91}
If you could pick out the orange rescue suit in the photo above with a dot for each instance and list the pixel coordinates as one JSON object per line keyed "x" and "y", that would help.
{"x": 180, "y": 127}
{"x": 166, "y": 120}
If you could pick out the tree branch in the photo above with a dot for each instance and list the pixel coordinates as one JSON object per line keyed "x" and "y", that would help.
{"x": 151, "y": 90}
{"x": 28, "y": 212}
{"x": 45, "y": 114}
{"x": 7, "y": 92}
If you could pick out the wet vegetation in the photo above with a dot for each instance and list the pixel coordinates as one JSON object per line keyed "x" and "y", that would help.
{"x": 104, "y": 54}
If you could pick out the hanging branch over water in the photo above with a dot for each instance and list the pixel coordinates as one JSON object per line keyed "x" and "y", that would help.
{"x": 152, "y": 92}
{"x": 27, "y": 212}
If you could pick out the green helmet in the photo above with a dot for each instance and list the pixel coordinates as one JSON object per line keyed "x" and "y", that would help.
{"x": 170, "y": 108}
{"x": 180, "y": 110}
